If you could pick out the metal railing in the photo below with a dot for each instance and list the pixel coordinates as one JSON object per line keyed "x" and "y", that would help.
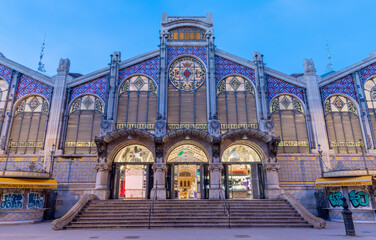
{"x": 151, "y": 206}
{"x": 226, "y": 206}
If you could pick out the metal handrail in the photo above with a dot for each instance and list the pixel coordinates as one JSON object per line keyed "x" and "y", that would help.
{"x": 226, "y": 206}
{"x": 151, "y": 206}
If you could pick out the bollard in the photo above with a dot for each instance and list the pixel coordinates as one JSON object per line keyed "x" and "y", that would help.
{"x": 347, "y": 219}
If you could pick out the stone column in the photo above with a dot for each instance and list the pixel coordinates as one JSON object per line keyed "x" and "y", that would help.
{"x": 316, "y": 111}
{"x": 215, "y": 169}
{"x": 159, "y": 168}
{"x": 216, "y": 191}
{"x": 159, "y": 190}
{"x": 261, "y": 90}
{"x": 101, "y": 182}
{"x": 272, "y": 188}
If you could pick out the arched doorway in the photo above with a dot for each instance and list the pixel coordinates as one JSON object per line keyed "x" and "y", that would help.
{"x": 187, "y": 175}
{"x": 243, "y": 174}
{"x": 133, "y": 173}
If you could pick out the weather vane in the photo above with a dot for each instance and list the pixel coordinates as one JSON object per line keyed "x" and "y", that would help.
{"x": 40, "y": 64}
{"x": 329, "y": 67}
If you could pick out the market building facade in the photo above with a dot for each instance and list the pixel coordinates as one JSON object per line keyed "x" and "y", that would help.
{"x": 187, "y": 121}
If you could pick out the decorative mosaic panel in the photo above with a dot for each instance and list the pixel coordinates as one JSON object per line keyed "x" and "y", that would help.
{"x": 174, "y": 52}
{"x": 235, "y": 84}
{"x": 97, "y": 86}
{"x": 76, "y": 170}
{"x": 187, "y": 74}
{"x": 277, "y": 86}
{"x": 286, "y": 102}
{"x": 5, "y": 73}
{"x": 339, "y": 104}
{"x": 302, "y": 169}
{"x": 148, "y": 67}
{"x": 368, "y": 72}
{"x": 352, "y": 163}
{"x": 22, "y": 164}
{"x": 224, "y": 67}
{"x": 138, "y": 83}
{"x": 343, "y": 85}
{"x": 28, "y": 85}
{"x": 87, "y": 102}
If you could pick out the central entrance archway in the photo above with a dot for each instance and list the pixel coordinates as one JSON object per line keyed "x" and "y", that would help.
{"x": 187, "y": 175}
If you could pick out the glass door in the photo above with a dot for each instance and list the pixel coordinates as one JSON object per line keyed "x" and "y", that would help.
{"x": 187, "y": 181}
{"x": 132, "y": 181}
{"x": 240, "y": 181}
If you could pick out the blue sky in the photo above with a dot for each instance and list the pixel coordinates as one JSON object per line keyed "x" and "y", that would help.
{"x": 285, "y": 31}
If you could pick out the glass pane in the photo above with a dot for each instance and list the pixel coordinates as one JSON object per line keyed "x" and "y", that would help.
{"x": 134, "y": 153}
{"x": 240, "y": 153}
{"x": 187, "y": 181}
{"x": 240, "y": 181}
{"x": 132, "y": 182}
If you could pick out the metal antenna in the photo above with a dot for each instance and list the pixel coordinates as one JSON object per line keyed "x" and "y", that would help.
{"x": 329, "y": 67}
{"x": 40, "y": 64}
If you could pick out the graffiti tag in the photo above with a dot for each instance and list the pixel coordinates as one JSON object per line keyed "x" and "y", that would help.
{"x": 35, "y": 201}
{"x": 335, "y": 199}
{"x": 359, "y": 198}
{"x": 12, "y": 201}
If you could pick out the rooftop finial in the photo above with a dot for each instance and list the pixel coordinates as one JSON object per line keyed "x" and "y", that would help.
{"x": 40, "y": 64}
{"x": 329, "y": 67}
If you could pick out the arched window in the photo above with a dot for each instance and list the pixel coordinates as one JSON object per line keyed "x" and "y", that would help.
{"x": 3, "y": 94}
{"x": 236, "y": 103}
{"x": 29, "y": 125}
{"x": 370, "y": 91}
{"x": 187, "y": 94}
{"x": 342, "y": 121}
{"x": 186, "y": 34}
{"x": 85, "y": 115}
{"x": 287, "y": 114}
{"x": 137, "y": 106}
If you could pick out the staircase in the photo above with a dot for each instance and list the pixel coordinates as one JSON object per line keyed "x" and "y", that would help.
{"x": 108, "y": 214}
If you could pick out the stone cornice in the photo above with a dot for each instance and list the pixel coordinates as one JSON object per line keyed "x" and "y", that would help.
{"x": 26, "y": 71}
{"x": 348, "y": 70}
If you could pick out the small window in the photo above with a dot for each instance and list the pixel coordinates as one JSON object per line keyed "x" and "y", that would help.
{"x": 176, "y": 35}
{"x": 192, "y": 35}
{"x": 181, "y": 36}
{"x": 198, "y": 36}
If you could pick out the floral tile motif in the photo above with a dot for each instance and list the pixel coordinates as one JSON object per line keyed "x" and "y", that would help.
{"x": 97, "y": 86}
{"x": 200, "y": 52}
{"x": 368, "y": 72}
{"x": 28, "y": 85}
{"x": 277, "y": 86}
{"x": 148, "y": 67}
{"x": 5, "y": 73}
{"x": 224, "y": 67}
{"x": 343, "y": 85}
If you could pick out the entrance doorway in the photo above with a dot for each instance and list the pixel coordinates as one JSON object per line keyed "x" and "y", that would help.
{"x": 243, "y": 175}
{"x": 187, "y": 175}
{"x": 133, "y": 175}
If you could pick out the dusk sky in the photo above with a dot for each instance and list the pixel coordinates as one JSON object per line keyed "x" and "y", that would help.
{"x": 285, "y": 31}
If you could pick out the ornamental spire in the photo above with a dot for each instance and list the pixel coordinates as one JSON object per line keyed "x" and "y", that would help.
{"x": 329, "y": 67}
{"x": 40, "y": 64}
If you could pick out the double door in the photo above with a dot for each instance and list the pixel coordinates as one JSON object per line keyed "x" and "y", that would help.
{"x": 187, "y": 181}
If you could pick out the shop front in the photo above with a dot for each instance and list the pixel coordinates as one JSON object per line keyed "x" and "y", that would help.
{"x": 243, "y": 173}
{"x": 133, "y": 174}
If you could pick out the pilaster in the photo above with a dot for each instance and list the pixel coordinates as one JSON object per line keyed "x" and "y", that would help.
{"x": 55, "y": 118}
{"x": 262, "y": 92}
{"x": 215, "y": 168}
{"x": 159, "y": 190}
{"x": 316, "y": 111}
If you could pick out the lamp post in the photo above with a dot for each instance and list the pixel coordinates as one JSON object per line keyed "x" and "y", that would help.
{"x": 8, "y": 152}
{"x": 320, "y": 159}
{"x": 364, "y": 156}
{"x": 347, "y": 219}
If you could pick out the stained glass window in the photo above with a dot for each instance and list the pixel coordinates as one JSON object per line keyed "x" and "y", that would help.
{"x": 85, "y": 115}
{"x": 370, "y": 93}
{"x": 187, "y": 94}
{"x": 29, "y": 125}
{"x": 236, "y": 103}
{"x": 240, "y": 153}
{"x": 343, "y": 125}
{"x": 134, "y": 154}
{"x": 187, "y": 34}
{"x": 187, "y": 153}
{"x": 137, "y": 106}
{"x": 287, "y": 114}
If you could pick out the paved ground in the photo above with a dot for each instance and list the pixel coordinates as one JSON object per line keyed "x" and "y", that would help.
{"x": 43, "y": 231}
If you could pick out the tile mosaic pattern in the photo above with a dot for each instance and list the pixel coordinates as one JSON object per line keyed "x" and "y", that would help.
{"x": 299, "y": 169}
{"x": 97, "y": 86}
{"x": 357, "y": 216}
{"x": 224, "y": 67}
{"x": 277, "y": 86}
{"x": 368, "y": 72}
{"x": 76, "y": 170}
{"x": 148, "y": 67}
{"x": 343, "y": 85}
{"x": 24, "y": 164}
{"x": 200, "y": 52}
{"x": 352, "y": 163}
{"x": 28, "y": 85}
{"x": 5, "y": 73}
{"x": 22, "y": 215}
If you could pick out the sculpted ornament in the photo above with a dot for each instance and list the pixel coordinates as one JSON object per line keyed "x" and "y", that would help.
{"x": 273, "y": 149}
{"x": 101, "y": 149}
{"x": 64, "y": 65}
{"x": 309, "y": 67}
